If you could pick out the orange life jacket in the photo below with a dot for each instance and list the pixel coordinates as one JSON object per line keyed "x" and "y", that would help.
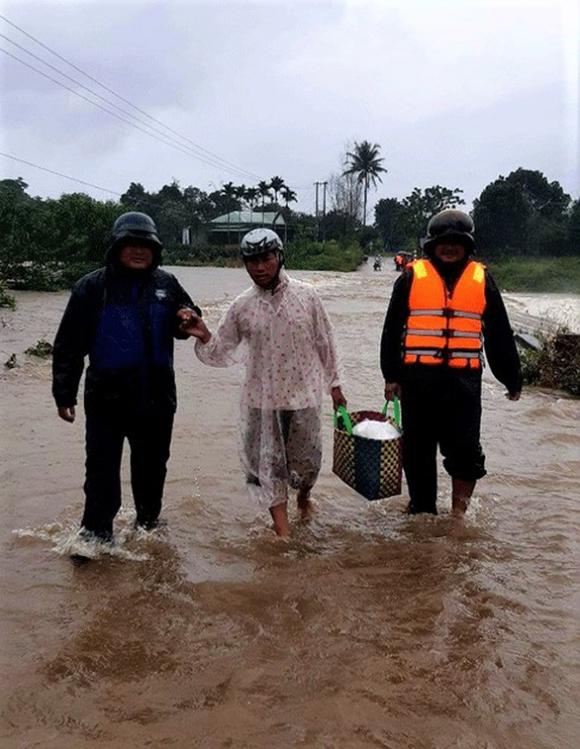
{"x": 444, "y": 327}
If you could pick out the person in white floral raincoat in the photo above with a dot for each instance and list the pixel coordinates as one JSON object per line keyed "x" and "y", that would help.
{"x": 279, "y": 329}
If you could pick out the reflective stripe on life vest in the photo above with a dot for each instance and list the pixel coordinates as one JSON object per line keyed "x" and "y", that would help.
{"x": 443, "y": 327}
{"x": 434, "y": 312}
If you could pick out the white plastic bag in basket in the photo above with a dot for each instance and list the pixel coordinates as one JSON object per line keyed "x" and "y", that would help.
{"x": 376, "y": 430}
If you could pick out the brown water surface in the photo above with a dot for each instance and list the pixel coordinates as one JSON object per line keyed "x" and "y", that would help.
{"x": 369, "y": 629}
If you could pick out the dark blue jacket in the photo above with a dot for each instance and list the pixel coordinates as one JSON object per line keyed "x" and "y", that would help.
{"x": 125, "y": 322}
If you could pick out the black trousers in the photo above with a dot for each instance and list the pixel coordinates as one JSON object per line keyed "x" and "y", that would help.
{"x": 149, "y": 436}
{"x": 440, "y": 408}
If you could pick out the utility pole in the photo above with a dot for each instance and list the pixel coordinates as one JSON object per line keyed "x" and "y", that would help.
{"x": 324, "y": 211}
{"x": 316, "y": 185}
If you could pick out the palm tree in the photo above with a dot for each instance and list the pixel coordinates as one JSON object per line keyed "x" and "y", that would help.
{"x": 365, "y": 163}
{"x": 276, "y": 184}
{"x": 240, "y": 192}
{"x": 251, "y": 196}
{"x": 229, "y": 191}
{"x": 264, "y": 190}
{"x": 288, "y": 196}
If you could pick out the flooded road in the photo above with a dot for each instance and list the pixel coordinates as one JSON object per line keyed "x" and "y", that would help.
{"x": 369, "y": 629}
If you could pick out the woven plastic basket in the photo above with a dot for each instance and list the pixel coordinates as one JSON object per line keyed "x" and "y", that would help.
{"x": 372, "y": 468}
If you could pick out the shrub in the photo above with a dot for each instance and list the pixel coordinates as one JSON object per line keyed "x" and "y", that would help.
{"x": 555, "y": 365}
{"x": 6, "y": 299}
{"x": 307, "y": 255}
{"x": 41, "y": 348}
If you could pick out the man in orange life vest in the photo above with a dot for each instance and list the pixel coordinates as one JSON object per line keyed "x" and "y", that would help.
{"x": 442, "y": 309}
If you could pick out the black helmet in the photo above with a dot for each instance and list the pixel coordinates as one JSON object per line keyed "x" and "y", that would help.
{"x": 450, "y": 224}
{"x": 135, "y": 225}
{"x": 258, "y": 241}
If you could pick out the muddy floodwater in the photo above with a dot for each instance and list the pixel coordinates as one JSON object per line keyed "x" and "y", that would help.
{"x": 368, "y": 629}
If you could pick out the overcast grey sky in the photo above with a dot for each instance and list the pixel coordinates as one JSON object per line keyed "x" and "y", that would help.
{"x": 455, "y": 93}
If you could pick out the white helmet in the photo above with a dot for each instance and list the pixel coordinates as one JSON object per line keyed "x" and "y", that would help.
{"x": 258, "y": 241}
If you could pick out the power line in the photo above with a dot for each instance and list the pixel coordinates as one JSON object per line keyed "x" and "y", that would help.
{"x": 126, "y": 101}
{"x": 59, "y": 174}
{"x": 211, "y": 159}
{"x": 161, "y": 139}
{"x": 102, "y": 98}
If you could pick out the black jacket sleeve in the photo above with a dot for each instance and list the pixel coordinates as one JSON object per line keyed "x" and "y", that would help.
{"x": 71, "y": 345}
{"x": 183, "y": 300}
{"x": 393, "y": 329}
{"x": 500, "y": 348}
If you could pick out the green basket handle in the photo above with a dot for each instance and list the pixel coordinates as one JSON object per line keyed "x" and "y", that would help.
{"x": 346, "y": 420}
{"x": 396, "y": 410}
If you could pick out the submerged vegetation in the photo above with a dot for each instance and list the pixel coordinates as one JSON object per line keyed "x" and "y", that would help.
{"x": 538, "y": 274}
{"x": 300, "y": 255}
{"x": 556, "y": 365}
{"x": 6, "y": 299}
{"x": 41, "y": 348}
{"x": 331, "y": 255}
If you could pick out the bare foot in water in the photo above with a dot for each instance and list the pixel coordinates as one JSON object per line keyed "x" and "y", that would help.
{"x": 306, "y": 506}
{"x": 460, "y": 496}
{"x": 459, "y": 507}
{"x": 279, "y": 515}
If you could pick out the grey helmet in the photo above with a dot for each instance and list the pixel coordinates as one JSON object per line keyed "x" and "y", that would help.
{"x": 450, "y": 224}
{"x": 135, "y": 225}
{"x": 259, "y": 241}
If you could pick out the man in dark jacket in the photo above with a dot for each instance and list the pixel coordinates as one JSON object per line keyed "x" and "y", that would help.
{"x": 442, "y": 309}
{"x": 124, "y": 318}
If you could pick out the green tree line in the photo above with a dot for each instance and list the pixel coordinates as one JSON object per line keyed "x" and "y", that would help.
{"x": 48, "y": 243}
{"x": 522, "y": 214}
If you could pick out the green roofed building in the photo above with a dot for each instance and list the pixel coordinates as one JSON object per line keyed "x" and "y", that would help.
{"x": 231, "y": 227}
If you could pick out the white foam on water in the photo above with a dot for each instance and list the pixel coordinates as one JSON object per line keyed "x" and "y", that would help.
{"x": 560, "y": 309}
{"x": 67, "y": 541}
{"x": 326, "y": 281}
{"x": 44, "y": 533}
